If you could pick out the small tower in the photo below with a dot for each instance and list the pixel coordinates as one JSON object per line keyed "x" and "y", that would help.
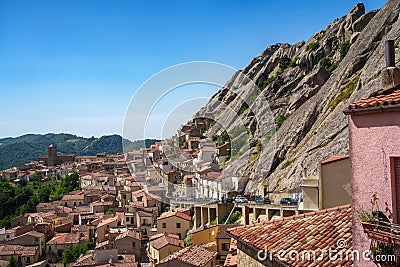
{"x": 52, "y": 155}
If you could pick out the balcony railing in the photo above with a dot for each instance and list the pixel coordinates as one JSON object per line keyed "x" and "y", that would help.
{"x": 385, "y": 242}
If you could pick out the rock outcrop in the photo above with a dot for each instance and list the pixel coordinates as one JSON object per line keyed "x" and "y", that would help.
{"x": 307, "y": 85}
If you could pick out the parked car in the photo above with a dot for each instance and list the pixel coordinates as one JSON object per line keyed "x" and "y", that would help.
{"x": 288, "y": 201}
{"x": 263, "y": 200}
{"x": 246, "y": 196}
{"x": 240, "y": 199}
{"x": 230, "y": 199}
{"x": 253, "y": 198}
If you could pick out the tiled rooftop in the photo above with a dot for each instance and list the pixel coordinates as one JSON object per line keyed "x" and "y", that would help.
{"x": 166, "y": 239}
{"x": 162, "y": 234}
{"x": 317, "y": 231}
{"x": 142, "y": 213}
{"x": 335, "y": 158}
{"x": 129, "y": 233}
{"x": 64, "y": 238}
{"x": 194, "y": 255}
{"x": 73, "y": 197}
{"x": 17, "y": 250}
{"x": 230, "y": 261}
{"x": 108, "y": 221}
{"x": 377, "y": 101}
{"x": 176, "y": 213}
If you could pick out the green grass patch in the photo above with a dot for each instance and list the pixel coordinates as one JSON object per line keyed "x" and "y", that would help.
{"x": 312, "y": 46}
{"x": 344, "y": 48}
{"x": 280, "y": 121}
{"x": 287, "y": 164}
{"x": 345, "y": 93}
{"x": 284, "y": 62}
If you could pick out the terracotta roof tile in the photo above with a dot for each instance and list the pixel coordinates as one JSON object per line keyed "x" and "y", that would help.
{"x": 194, "y": 255}
{"x": 6, "y": 250}
{"x": 230, "y": 261}
{"x": 142, "y": 213}
{"x": 175, "y": 213}
{"x": 162, "y": 234}
{"x": 335, "y": 158}
{"x": 377, "y": 101}
{"x": 166, "y": 239}
{"x": 130, "y": 233}
{"x": 315, "y": 231}
{"x": 108, "y": 221}
{"x": 64, "y": 238}
{"x": 73, "y": 197}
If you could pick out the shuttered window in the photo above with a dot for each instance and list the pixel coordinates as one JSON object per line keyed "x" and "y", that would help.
{"x": 396, "y": 184}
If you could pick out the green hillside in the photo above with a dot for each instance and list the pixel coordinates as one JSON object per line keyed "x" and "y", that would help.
{"x": 26, "y": 148}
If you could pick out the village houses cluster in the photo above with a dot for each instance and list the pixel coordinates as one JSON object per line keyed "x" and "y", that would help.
{"x": 171, "y": 204}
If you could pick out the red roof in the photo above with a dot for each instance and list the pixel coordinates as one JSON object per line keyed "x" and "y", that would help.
{"x": 335, "y": 158}
{"x": 164, "y": 240}
{"x": 176, "y": 213}
{"x": 131, "y": 234}
{"x": 376, "y": 101}
{"x": 142, "y": 213}
{"x": 316, "y": 231}
{"x": 65, "y": 238}
{"x": 231, "y": 260}
{"x": 194, "y": 255}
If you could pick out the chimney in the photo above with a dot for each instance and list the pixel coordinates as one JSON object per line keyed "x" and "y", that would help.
{"x": 305, "y": 174}
{"x": 389, "y": 53}
{"x": 391, "y": 74}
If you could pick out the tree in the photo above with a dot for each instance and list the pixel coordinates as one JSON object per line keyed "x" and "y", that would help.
{"x": 72, "y": 253}
{"x": 36, "y": 177}
{"x": 70, "y": 182}
{"x": 12, "y": 262}
{"x": 284, "y": 62}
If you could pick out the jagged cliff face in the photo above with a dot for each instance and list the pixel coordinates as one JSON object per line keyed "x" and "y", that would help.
{"x": 309, "y": 84}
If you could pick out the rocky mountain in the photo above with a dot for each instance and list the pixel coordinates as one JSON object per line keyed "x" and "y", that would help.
{"x": 27, "y": 148}
{"x": 307, "y": 86}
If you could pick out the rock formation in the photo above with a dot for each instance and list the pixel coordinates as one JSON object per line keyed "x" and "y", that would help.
{"x": 308, "y": 84}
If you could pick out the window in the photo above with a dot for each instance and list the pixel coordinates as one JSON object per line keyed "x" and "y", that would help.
{"x": 28, "y": 260}
{"x": 164, "y": 225}
{"x": 225, "y": 246}
{"x": 133, "y": 244}
{"x": 49, "y": 248}
{"x": 178, "y": 225}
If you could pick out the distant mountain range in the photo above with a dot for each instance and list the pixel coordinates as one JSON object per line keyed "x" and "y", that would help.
{"x": 27, "y": 148}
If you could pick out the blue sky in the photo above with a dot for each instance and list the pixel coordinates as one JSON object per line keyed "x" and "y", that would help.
{"x": 73, "y": 65}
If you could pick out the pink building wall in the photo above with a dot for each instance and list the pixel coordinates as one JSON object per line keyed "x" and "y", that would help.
{"x": 374, "y": 139}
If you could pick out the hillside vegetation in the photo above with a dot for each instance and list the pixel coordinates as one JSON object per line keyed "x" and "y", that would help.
{"x": 26, "y": 148}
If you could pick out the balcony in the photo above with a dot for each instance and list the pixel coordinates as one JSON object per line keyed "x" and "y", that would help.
{"x": 385, "y": 241}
